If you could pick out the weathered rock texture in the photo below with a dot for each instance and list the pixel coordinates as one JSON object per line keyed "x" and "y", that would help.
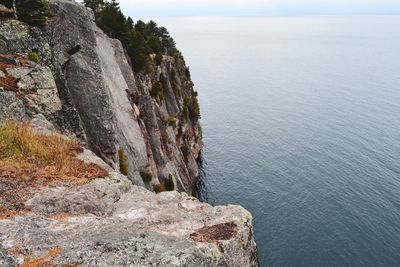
{"x": 110, "y": 99}
{"x": 84, "y": 87}
{"x": 110, "y": 222}
{"x": 102, "y": 102}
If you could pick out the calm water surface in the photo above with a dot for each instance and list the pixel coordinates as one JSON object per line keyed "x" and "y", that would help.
{"x": 301, "y": 120}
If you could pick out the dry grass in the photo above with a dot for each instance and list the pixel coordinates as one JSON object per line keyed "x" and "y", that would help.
{"x": 29, "y": 160}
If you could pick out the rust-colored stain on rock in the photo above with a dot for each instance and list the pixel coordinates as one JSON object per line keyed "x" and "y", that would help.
{"x": 211, "y": 234}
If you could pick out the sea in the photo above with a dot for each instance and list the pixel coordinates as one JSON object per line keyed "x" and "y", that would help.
{"x": 301, "y": 126}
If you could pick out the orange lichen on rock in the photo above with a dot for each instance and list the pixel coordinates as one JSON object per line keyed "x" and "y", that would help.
{"x": 6, "y": 61}
{"x": 42, "y": 260}
{"x": 11, "y": 61}
{"x": 6, "y": 214}
{"x": 9, "y": 83}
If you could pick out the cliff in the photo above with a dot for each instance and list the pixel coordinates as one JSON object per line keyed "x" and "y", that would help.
{"x": 105, "y": 104}
{"x": 82, "y": 86}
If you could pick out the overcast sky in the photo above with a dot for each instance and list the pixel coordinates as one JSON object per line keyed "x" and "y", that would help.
{"x": 159, "y": 8}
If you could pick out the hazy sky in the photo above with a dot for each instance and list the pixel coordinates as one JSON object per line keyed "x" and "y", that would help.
{"x": 158, "y": 8}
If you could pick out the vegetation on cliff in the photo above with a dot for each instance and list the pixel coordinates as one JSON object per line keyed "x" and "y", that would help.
{"x": 33, "y": 12}
{"x": 29, "y": 159}
{"x": 140, "y": 39}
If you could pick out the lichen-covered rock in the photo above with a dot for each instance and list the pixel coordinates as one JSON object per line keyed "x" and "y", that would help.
{"x": 5, "y": 260}
{"x": 11, "y": 107}
{"x": 17, "y": 37}
{"x": 110, "y": 222}
{"x": 35, "y": 93}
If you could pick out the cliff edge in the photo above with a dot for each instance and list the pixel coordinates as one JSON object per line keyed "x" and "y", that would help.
{"x": 110, "y": 137}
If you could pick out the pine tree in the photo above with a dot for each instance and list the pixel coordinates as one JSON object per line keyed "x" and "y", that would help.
{"x": 140, "y": 39}
{"x": 95, "y": 5}
{"x": 33, "y": 12}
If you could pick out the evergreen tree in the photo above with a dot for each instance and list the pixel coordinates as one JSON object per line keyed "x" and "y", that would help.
{"x": 140, "y": 39}
{"x": 7, "y": 3}
{"x": 95, "y": 5}
{"x": 138, "y": 51}
{"x": 113, "y": 22}
{"x": 33, "y": 12}
{"x": 129, "y": 23}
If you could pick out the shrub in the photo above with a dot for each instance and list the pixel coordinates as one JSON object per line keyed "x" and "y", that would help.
{"x": 158, "y": 58}
{"x": 157, "y": 92}
{"x": 149, "y": 66}
{"x": 180, "y": 132}
{"x": 187, "y": 72}
{"x": 146, "y": 175}
{"x": 142, "y": 114}
{"x": 169, "y": 120}
{"x": 138, "y": 52}
{"x": 174, "y": 86}
{"x": 194, "y": 111}
{"x": 7, "y": 3}
{"x": 123, "y": 162}
{"x": 158, "y": 188}
{"x": 33, "y": 12}
{"x": 195, "y": 190}
{"x": 169, "y": 185}
{"x": 33, "y": 56}
{"x": 191, "y": 108}
{"x": 185, "y": 112}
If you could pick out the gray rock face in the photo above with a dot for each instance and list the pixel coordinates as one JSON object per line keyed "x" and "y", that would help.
{"x": 11, "y": 107}
{"x": 5, "y": 260}
{"x": 110, "y": 222}
{"x": 34, "y": 94}
{"x": 17, "y": 37}
{"x": 84, "y": 87}
{"x": 94, "y": 77}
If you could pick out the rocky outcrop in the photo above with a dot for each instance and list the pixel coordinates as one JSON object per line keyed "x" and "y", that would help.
{"x": 83, "y": 87}
{"x": 104, "y": 104}
{"x": 110, "y": 222}
{"x": 114, "y": 104}
{"x": 27, "y": 91}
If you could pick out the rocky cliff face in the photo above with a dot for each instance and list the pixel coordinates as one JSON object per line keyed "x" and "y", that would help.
{"x": 109, "y": 107}
{"x": 84, "y": 88}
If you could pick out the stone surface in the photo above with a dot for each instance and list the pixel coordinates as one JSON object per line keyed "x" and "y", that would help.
{"x": 11, "y": 107}
{"x": 5, "y": 260}
{"x": 36, "y": 90}
{"x": 95, "y": 79}
{"x": 110, "y": 222}
{"x": 17, "y": 37}
{"x": 84, "y": 87}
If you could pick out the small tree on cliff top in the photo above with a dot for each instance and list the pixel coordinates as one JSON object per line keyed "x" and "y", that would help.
{"x": 33, "y": 12}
